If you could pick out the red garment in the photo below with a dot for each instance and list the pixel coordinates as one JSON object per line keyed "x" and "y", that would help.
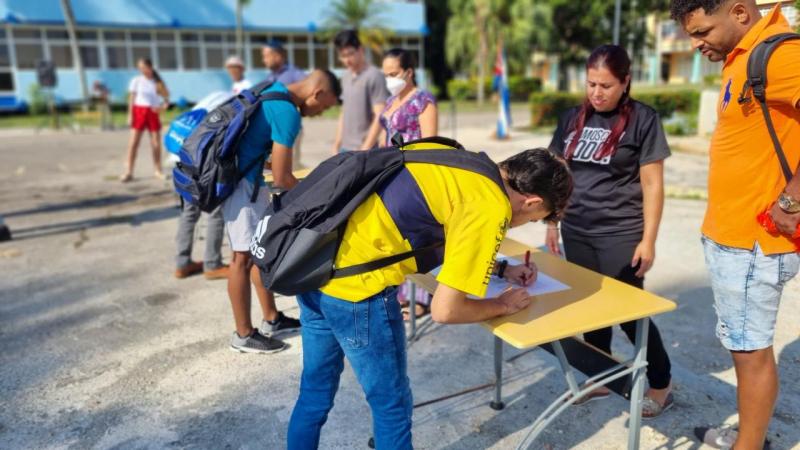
{"x": 144, "y": 118}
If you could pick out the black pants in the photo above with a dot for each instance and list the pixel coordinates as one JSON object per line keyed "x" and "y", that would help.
{"x": 611, "y": 256}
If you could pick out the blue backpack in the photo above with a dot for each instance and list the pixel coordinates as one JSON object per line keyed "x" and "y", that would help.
{"x": 208, "y": 170}
{"x": 181, "y": 128}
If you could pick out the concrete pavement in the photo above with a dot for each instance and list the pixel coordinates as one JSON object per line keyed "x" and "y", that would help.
{"x": 100, "y": 347}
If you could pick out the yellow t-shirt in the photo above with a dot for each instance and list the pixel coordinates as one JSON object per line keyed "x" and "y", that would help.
{"x": 470, "y": 211}
{"x": 744, "y": 175}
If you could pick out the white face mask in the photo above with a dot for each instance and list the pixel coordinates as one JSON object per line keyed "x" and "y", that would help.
{"x": 395, "y": 85}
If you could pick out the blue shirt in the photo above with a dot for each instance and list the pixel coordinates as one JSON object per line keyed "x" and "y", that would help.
{"x": 279, "y": 121}
{"x": 288, "y": 74}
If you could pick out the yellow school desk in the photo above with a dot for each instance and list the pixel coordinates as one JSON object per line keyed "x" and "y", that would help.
{"x": 299, "y": 174}
{"x": 593, "y": 301}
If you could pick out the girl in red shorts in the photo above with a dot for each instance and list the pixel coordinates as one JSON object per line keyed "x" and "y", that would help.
{"x": 147, "y": 97}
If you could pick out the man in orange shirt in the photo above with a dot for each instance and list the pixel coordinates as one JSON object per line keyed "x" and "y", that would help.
{"x": 749, "y": 267}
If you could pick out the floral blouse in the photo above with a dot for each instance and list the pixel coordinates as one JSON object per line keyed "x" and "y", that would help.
{"x": 405, "y": 120}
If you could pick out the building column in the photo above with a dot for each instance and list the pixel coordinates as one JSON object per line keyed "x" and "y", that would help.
{"x": 696, "y": 68}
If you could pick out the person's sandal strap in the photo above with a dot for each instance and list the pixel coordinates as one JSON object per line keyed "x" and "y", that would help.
{"x": 651, "y": 409}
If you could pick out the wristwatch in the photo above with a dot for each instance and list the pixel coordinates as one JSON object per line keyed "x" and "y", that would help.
{"x": 788, "y": 204}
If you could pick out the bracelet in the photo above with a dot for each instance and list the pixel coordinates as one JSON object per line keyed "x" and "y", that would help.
{"x": 501, "y": 270}
{"x": 553, "y": 227}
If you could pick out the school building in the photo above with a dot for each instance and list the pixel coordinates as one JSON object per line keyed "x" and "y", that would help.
{"x": 679, "y": 64}
{"x": 187, "y": 40}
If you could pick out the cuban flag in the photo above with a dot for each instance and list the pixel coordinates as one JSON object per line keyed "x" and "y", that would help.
{"x": 504, "y": 100}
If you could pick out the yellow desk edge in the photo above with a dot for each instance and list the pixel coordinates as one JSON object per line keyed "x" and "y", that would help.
{"x": 299, "y": 174}
{"x": 560, "y": 315}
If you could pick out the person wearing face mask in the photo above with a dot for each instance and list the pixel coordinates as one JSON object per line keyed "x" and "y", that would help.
{"x": 616, "y": 148}
{"x": 410, "y": 113}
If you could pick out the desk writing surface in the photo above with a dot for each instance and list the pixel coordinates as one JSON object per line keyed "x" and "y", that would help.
{"x": 299, "y": 174}
{"x": 593, "y": 301}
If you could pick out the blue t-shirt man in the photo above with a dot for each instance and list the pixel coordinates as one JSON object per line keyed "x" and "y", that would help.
{"x": 279, "y": 122}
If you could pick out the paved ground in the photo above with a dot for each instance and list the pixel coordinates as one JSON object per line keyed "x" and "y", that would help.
{"x": 101, "y": 348}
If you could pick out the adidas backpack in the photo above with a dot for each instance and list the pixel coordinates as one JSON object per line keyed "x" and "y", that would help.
{"x": 296, "y": 243}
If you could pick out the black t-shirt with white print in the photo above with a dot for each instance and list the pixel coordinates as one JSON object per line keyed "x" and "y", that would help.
{"x": 607, "y": 199}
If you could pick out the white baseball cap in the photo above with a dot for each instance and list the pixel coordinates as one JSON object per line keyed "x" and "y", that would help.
{"x": 234, "y": 61}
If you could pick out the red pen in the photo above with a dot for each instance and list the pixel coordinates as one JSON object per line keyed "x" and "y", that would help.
{"x": 528, "y": 265}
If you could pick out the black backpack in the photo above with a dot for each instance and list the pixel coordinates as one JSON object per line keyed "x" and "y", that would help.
{"x": 208, "y": 170}
{"x": 296, "y": 243}
{"x": 757, "y": 83}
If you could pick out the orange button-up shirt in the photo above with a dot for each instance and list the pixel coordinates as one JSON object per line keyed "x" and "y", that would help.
{"x": 744, "y": 176}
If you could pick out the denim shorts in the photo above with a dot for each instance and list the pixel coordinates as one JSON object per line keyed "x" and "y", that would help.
{"x": 747, "y": 289}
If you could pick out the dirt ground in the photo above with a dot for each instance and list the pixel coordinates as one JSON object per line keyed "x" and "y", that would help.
{"x": 101, "y": 348}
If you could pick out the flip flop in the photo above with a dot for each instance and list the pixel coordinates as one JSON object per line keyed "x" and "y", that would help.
{"x": 407, "y": 312}
{"x": 591, "y": 396}
{"x": 652, "y": 409}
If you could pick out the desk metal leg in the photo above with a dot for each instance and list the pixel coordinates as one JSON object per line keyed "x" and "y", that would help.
{"x": 497, "y": 404}
{"x": 640, "y": 363}
{"x": 566, "y": 368}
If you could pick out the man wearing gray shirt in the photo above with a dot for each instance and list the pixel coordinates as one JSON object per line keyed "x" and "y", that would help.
{"x": 364, "y": 96}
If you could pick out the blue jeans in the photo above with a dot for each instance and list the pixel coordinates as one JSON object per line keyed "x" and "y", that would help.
{"x": 370, "y": 333}
{"x": 747, "y": 289}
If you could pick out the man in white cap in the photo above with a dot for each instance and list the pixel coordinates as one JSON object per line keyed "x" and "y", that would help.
{"x": 235, "y": 67}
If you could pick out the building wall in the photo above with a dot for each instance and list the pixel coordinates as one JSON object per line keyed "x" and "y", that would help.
{"x": 190, "y": 60}
{"x": 675, "y": 47}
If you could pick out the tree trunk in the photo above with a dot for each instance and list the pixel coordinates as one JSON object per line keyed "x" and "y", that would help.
{"x": 483, "y": 50}
{"x": 239, "y": 30}
{"x": 69, "y": 18}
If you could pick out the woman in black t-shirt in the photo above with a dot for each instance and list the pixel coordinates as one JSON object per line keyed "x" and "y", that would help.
{"x": 612, "y": 220}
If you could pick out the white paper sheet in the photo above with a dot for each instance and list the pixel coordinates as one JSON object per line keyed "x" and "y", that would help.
{"x": 544, "y": 284}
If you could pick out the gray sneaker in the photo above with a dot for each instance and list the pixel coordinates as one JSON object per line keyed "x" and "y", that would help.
{"x": 256, "y": 343}
{"x": 722, "y": 437}
{"x": 283, "y": 325}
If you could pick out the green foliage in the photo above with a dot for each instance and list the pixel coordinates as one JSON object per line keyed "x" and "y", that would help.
{"x": 522, "y": 25}
{"x": 37, "y": 100}
{"x": 519, "y": 87}
{"x": 712, "y": 80}
{"x": 582, "y": 26}
{"x": 797, "y": 15}
{"x": 681, "y": 124}
{"x": 546, "y": 107}
{"x": 668, "y": 102}
{"x": 463, "y": 88}
{"x": 362, "y": 15}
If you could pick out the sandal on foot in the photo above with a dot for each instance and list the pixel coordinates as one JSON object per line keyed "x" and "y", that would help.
{"x": 652, "y": 409}
{"x": 422, "y": 311}
{"x": 591, "y": 396}
{"x": 126, "y": 177}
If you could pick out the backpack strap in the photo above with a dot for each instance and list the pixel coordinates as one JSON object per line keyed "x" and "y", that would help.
{"x": 252, "y": 96}
{"x": 381, "y": 263}
{"x": 757, "y": 83}
{"x": 460, "y": 159}
{"x": 437, "y": 140}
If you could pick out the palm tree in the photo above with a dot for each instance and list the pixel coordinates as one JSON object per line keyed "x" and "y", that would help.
{"x": 240, "y": 4}
{"x": 476, "y": 26}
{"x": 69, "y": 18}
{"x": 366, "y": 16}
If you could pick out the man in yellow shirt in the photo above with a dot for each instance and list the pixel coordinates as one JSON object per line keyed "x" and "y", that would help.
{"x": 749, "y": 267}
{"x": 462, "y": 217}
